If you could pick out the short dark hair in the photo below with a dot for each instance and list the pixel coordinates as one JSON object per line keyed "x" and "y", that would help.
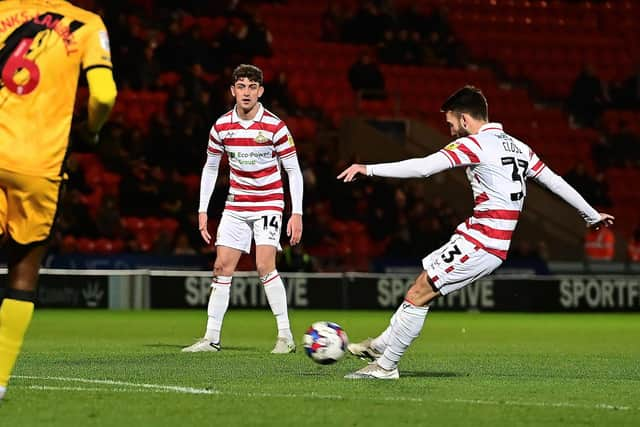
{"x": 249, "y": 71}
{"x": 469, "y": 100}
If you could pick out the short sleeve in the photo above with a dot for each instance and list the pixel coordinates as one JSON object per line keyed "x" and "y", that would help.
{"x": 283, "y": 142}
{"x": 215, "y": 146}
{"x": 535, "y": 165}
{"x": 97, "y": 52}
{"x": 462, "y": 152}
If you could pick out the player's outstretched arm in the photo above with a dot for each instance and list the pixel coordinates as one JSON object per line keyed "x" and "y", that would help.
{"x": 350, "y": 173}
{"x": 566, "y": 192}
{"x": 606, "y": 220}
{"x": 413, "y": 168}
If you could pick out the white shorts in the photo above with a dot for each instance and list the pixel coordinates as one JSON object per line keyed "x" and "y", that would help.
{"x": 236, "y": 232}
{"x": 457, "y": 264}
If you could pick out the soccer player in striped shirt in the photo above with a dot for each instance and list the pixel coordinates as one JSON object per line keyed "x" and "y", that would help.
{"x": 257, "y": 144}
{"x": 497, "y": 167}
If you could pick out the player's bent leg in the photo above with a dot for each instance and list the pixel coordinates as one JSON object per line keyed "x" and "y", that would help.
{"x": 372, "y": 349}
{"x": 226, "y": 261}
{"x": 422, "y": 292}
{"x": 276, "y": 296}
{"x": 403, "y": 330}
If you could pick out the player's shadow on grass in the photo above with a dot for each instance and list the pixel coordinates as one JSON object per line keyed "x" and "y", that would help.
{"x": 225, "y": 348}
{"x": 424, "y": 374}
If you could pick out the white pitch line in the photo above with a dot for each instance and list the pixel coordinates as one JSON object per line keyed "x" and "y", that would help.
{"x": 538, "y": 404}
{"x": 169, "y": 388}
{"x": 158, "y": 388}
{"x": 57, "y": 388}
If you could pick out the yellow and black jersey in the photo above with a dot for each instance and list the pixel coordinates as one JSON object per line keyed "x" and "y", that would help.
{"x": 44, "y": 44}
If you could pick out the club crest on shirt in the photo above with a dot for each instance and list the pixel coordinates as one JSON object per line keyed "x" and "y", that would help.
{"x": 261, "y": 139}
{"x": 291, "y": 142}
{"x": 452, "y": 146}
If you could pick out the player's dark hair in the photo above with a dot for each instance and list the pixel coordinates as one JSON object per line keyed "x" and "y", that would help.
{"x": 468, "y": 100}
{"x": 249, "y": 71}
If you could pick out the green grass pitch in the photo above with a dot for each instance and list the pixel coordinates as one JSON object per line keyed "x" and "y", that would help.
{"x": 106, "y": 368}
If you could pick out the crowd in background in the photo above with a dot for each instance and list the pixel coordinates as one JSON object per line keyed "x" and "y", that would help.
{"x": 156, "y": 52}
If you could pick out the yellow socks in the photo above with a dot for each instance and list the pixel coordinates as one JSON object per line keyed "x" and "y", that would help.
{"x": 15, "y": 316}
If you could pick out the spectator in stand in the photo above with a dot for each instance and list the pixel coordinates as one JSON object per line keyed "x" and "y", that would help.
{"x": 196, "y": 81}
{"x": 230, "y": 42}
{"x": 633, "y": 247}
{"x": 438, "y": 22}
{"x": 587, "y": 99}
{"x": 625, "y": 146}
{"x": 409, "y": 48}
{"x": 147, "y": 72}
{"x": 138, "y": 191}
{"x": 367, "y": 25}
{"x": 195, "y": 46}
{"x": 455, "y": 53}
{"x": 400, "y": 244}
{"x": 408, "y": 16}
{"x": 579, "y": 178}
{"x": 332, "y": 22}
{"x": 182, "y": 245}
{"x": 599, "y": 244}
{"x": 600, "y": 191}
{"x": 388, "y": 49}
{"x": 172, "y": 54}
{"x": 296, "y": 259}
{"x": 259, "y": 38}
{"x": 627, "y": 93}
{"x": 174, "y": 196}
{"x": 75, "y": 219}
{"x": 366, "y": 78}
{"x": 318, "y": 233}
{"x": 206, "y": 107}
{"x": 108, "y": 220}
{"x": 75, "y": 172}
{"x": 162, "y": 243}
{"x": 277, "y": 93}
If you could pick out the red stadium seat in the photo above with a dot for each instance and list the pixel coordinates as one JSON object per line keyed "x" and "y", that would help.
{"x": 68, "y": 244}
{"x": 170, "y": 225}
{"x": 133, "y": 224}
{"x": 85, "y": 246}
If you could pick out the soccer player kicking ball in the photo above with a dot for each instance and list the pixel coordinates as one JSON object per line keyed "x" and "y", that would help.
{"x": 497, "y": 167}
{"x": 256, "y": 143}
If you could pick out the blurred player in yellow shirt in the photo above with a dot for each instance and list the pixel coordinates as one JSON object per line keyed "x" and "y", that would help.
{"x": 44, "y": 45}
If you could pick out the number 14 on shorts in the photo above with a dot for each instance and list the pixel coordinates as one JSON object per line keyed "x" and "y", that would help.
{"x": 270, "y": 222}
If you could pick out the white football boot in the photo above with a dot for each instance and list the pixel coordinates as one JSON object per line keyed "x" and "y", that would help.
{"x": 284, "y": 346}
{"x": 202, "y": 344}
{"x": 3, "y": 390}
{"x": 364, "y": 350}
{"x": 374, "y": 371}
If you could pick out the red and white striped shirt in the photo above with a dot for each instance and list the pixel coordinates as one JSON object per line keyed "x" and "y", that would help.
{"x": 255, "y": 148}
{"x": 497, "y": 168}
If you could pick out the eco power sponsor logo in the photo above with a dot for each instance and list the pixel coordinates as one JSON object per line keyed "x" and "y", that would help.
{"x": 249, "y": 158}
